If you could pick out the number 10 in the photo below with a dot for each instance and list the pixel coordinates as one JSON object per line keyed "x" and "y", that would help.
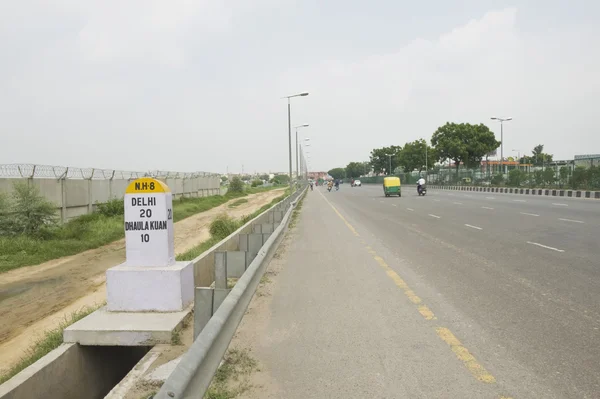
{"x": 145, "y": 238}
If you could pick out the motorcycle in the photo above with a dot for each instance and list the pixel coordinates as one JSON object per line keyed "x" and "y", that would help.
{"x": 329, "y": 188}
{"x": 422, "y": 190}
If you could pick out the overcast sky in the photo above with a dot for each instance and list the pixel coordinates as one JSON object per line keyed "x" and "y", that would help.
{"x": 197, "y": 85}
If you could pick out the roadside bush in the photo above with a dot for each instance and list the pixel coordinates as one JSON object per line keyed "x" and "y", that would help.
{"x": 497, "y": 179}
{"x": 222, "y": 226}
{"x": 114, "y": 207}
{"x": 236, "y": 185}
{"x": 516, "y": 177}
{"x": 256, "y": 183}
{"x": 26, "y": 212}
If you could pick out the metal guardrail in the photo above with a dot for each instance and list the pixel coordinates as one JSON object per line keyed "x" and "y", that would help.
{"x": 32, "y": 171}
{"x": 194, "y": 373}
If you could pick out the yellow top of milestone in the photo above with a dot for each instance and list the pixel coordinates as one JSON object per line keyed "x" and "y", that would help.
{"x": 147, "y": 185}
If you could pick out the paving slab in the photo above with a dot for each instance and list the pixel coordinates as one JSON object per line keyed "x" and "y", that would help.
{"x": 104, "y": 328}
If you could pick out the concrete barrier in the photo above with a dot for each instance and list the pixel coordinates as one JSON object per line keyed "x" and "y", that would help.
{"x": 523, "y": 191}
{"x": 72, "y": 371}
{"x": 76, "y": 197}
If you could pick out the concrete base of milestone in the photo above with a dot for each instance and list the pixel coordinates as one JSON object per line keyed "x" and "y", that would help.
{"x": 150, "y": 289}
{"x": 104, "y": 328}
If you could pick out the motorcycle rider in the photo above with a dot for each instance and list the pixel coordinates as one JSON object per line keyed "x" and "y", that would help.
{"x": 337, "y": 184}
{"x": 420, "y": 184}
{"x": 329, "y": 185}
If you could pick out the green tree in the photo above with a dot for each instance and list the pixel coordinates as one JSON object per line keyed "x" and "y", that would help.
{"x": 355, "y": 169}
{"x": 236, "y": 185}
{"x": 563, "y": 174}
{"x": 549, "y": 176}
{"x": 464, "y": 143}
{"x": 413, "y": 156}
{"x": 223, "y": 179}
{"x": 579, "y": 178}
{"x": 256, "y": 183}
{"x": 380, "y": 161}
{"x": 539, "y": 157}
{"x": 264, "y": 177}
{"x": 281, "y": 179}
{"x": 516, "y": 177}
{"x": 337, "y": 173}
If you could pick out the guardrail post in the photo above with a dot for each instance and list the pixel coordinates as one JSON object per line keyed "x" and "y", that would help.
{"x": 203, "y": 308}
{"x": 219, "y": 297}
{"x": 221, "y": 270}
{"x": 236, "y": 263}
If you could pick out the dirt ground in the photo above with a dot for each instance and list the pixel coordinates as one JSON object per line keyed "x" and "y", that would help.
{"x": 260, "y": 384}
{"x": 36, "y": 298}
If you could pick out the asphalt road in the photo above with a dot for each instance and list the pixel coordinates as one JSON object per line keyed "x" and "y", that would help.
{"x": 515, "y": 278}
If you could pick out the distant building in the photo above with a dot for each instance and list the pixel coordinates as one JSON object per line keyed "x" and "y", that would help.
{"x": 587, "y": 160}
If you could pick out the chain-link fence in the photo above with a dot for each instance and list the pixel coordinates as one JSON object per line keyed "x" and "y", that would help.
{"x": 31, "y": 171}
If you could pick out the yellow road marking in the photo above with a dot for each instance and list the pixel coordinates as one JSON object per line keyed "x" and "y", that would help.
{"x": 465, "y": 356}
{"x": 462, "y": 353}
{"x": 426, "y": 312}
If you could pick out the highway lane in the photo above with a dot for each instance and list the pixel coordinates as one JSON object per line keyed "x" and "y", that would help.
{"x": 523, "y": 290}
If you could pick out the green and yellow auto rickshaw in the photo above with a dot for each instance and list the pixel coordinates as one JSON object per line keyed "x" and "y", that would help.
{"x": 391, "y": 186}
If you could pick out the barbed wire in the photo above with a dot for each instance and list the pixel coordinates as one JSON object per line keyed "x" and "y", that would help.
{"x": 64, "y": 172}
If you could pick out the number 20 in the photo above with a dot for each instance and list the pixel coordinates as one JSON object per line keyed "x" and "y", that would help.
{"x": 145, "y": 213}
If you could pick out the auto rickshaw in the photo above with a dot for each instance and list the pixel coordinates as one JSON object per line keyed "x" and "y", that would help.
{"x": 391, "y": 186}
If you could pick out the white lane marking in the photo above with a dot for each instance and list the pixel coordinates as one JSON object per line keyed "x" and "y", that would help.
{"x": 571, "y": 220}
{"x": 436, "y": 200}
{"x": 559, "y": 204}
{"x": 457, "y": 203}
{"x": 487, "y": 207}
{"x": 467, "y": 195}
{"x": 435, "y": 216}
{"x": 545, "y": 246}
{"x": 519, "y": 201}
{"x": 528, "y": 214}
{"x": 394, "y": 205}
{"x": 473, "y": 227}
{"x": 490, "y": 197}
{"x": 410, "y": 209}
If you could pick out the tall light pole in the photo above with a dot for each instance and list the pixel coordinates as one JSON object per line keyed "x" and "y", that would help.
{"x": 518, "y": 158}
{"x": 290, "y": 129}
{"x": 502, "y": 120}
{"x": 298, "y": 127}
{"x": 302, "y": 154}
{"x": 390, "y": 158}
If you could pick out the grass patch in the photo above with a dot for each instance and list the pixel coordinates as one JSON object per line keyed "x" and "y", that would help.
{"x": 296, "y": 212}
{"x": 238, "y": 202}
{"x": 265, "y": 279}
{"x": 222, "y": 226}
{"x": 175, "y": 337}
{"x": 230, "y": 380}
{"x": 49, "y": 341}
{"x": 91, "y": 231}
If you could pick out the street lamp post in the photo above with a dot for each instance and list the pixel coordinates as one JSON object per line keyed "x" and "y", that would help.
{"x": 502, "y": 120}
{"x": 390, "y": 158}
{"x": 518, "y": 158}
{"x": 298, "y": 127}
{"x": 290, "y": 130}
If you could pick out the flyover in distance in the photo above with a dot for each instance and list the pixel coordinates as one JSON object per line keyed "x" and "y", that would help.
{"x": 451, "y": 295}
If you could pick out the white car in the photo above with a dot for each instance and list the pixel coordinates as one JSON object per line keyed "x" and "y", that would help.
{"x": 357, "y": 183}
